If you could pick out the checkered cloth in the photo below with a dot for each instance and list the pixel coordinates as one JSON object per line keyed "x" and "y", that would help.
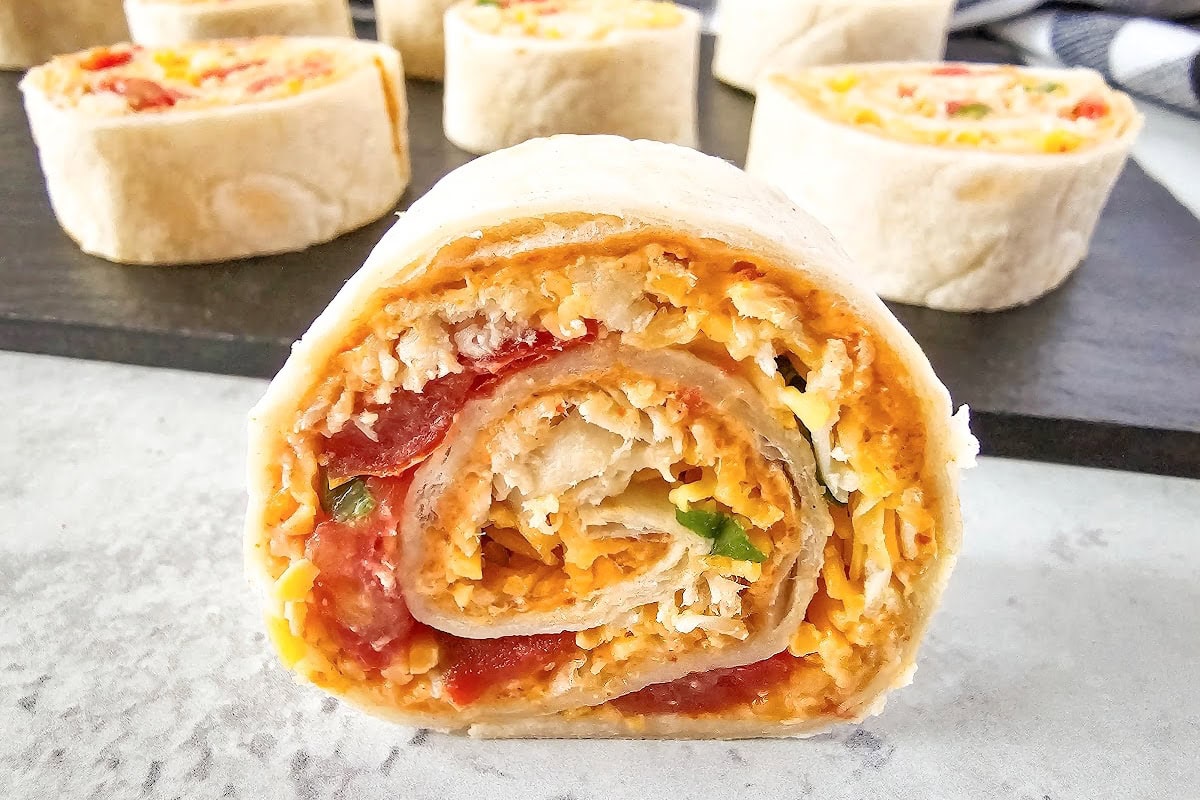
{"x": 1149, "y": 48}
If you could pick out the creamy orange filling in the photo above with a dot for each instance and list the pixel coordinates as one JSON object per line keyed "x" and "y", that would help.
{"x": 513, "y": 565}
{"x": 513, "y": 573}
{"x": 729, "y": 306}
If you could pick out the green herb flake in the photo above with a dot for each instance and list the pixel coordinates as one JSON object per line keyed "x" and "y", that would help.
{"x": 973, "y": 110}
{"x": 346, "y": 502}
{"x": 1045, "y": 88}
{"x": 487, "y": 2}
{"x": 728, "y": 536}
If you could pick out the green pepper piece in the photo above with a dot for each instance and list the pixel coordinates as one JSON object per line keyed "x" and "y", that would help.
{"x": 699, "y": 521}
{"x": 732, "y": 542}
{"x": 347, "y": 502}
{"x": 352, "y": 501}
{"x": 974, "y": 110}
{"x": 728, "y": 536}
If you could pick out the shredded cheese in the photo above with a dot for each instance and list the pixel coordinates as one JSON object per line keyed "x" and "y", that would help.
{"x": 532, "y": 550}
{"x": 980, "y": 107}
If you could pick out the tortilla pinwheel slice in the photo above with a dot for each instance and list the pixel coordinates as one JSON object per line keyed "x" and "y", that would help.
{"x": 582, "y": 452}
{"x": 520, "y": 69}
{"x": 963, "y": 187}
{"x": 158, "y": 23}
{"x": 414, "y": 27}
{"x": 755, "y": 37}
{"x": 219, "y": 150}
{"x": 32, "y": 31}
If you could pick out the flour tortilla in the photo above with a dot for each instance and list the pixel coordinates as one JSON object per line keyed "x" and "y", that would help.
{"x": 502, "y": 90}
{"x": 32, "y": 31}
{"x": 757, "y": 36}
{"x": 168, "y": 188}
{"x": 951, "y": 228}
{"x": 414, "y": 27}
{"x": 156, "y": 24}
{"x": 614, "y": 186}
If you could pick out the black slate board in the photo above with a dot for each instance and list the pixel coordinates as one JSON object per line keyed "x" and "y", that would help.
{"x": 1104, "y": 372}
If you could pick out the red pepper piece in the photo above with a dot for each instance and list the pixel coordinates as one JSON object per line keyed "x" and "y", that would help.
{"x": 712, "y": 691}
{"x": 473, "y": 666}
{"x": 412, "y": 424}
{"x": 408, "y": 428}
{"x": 142, "y": 94}
{"x": 364, "y": 613}
{"x": 104, "y": 58}
{"x": 221, "y": 73}
{"x": 1090, "y": 107}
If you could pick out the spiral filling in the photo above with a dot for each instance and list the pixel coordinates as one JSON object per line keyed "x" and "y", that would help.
{"x": 987, "y": 107}
{"x": 641, "y": 476}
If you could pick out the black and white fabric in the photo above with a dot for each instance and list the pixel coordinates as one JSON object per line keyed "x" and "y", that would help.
{"x": 1149, "y": 48}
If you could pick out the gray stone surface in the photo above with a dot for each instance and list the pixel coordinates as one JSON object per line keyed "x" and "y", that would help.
{"x": 1062, "y": 665}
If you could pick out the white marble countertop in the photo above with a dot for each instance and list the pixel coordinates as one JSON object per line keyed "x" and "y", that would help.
{"x": 132, "y": 664}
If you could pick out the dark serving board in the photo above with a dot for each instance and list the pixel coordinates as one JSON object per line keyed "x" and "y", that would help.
{"x": 1103, "y": 372}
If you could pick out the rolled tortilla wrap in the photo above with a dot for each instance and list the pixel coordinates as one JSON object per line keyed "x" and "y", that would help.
{"x": 581, "y": 452}
{"x": 31, "y": 31}
{"x": 520, "y": 69}
{"x": 757, "y": 36}
{"x": 953, "y": 186}
{"x": 175, "y": 155}
{"x": 158, "y": 23}
{"x": 414, "y": 27}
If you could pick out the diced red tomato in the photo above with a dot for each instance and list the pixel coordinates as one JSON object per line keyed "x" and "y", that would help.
{"x": 411, "y": 425}
{"x": 104, "y": 58}
{"x": 356, "y": 594}
{"x": 953, "y": 106}
{"x": 951, "y": 69}
{"x": 708, "y": 692}
{"x": 529, "y": 349}
{"x": 142, "y": 94}
{"x": 408, "y": 428}
{"x": 1089, "y": 108}
{"x": 904, "y": 90}
{"x": 473, "y": 666}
